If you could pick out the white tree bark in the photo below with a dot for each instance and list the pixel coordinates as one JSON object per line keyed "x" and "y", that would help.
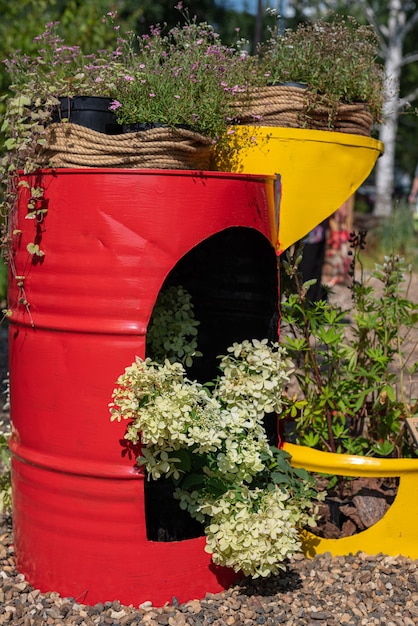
{"x": 393, "y": 49}
{"x": 393, "y": 37}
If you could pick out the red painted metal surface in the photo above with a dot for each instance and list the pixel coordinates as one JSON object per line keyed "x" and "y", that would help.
{"x": 110, "y": 238}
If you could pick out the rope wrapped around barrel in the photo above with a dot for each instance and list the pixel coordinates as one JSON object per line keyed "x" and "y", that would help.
{"x": 296, "y": 107}
{"x": 71, "y": 145}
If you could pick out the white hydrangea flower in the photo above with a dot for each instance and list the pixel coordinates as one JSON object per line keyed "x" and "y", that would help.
{"x": 254, "y": 373}
{"x": 220, "y": 436}
{"x": 254, "y": 533}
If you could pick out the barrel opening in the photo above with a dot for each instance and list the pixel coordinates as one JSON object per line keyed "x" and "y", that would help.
{"x": 233, "y": 283}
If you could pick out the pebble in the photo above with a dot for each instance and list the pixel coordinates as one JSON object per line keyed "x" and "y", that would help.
{"x": 354, "y": 590}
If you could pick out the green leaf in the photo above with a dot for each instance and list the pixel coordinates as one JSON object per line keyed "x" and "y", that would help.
{"x": 10, "y": 143}
{"x": 390, "y": 392}
{"x": 310, "y": 439}
{"x": 33, "y": 248}
{"x": 384, "y": 448}
{"x": 192, "y": 480}
{"x": 184, "y": 457}
{"x": 279, "y": 479}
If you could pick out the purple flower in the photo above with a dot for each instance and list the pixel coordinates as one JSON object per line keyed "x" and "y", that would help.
{"x": 114, "y": 105}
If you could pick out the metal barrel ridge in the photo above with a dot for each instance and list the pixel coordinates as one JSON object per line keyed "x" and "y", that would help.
{"x": 110, "y": 238}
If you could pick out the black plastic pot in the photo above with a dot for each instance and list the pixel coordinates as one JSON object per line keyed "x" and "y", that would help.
{"x": 89, "y": 111}
{"x": 138, "y": 127}
{"x": 289, "y": 84}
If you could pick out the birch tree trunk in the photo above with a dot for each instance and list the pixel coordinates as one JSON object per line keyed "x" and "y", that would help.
{"x": 385, "y": 167}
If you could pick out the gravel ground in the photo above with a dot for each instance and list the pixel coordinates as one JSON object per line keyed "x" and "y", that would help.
{"x": 347, "y": 591}
{"x": 344, "y": 591}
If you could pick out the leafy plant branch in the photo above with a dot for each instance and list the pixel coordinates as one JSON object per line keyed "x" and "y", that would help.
{"x": 351, "y": 365}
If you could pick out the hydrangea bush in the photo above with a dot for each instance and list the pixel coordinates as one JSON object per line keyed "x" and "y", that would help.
{"x": 256, "y": 528}
{"x": 209, "y": 439}
{"x": 172, "y": 331}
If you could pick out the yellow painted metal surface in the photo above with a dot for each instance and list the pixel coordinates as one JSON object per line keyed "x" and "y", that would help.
{"x": 319, "y": 170}
{"x": 396, "y": 533}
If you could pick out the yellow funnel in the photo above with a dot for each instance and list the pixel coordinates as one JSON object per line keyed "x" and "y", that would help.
{"x": 319, "y": 170}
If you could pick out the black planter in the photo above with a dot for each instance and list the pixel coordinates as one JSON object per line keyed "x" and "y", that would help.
{"x": 289, "y": 84}
{"x": 138, "y": 127}
{"x": 89, "y": 111}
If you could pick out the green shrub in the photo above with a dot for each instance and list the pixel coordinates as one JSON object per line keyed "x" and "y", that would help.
{"x": 353, "y": 368}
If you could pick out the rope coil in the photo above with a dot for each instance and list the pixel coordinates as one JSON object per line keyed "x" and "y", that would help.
{"x": 296, "y": 107}
{"x": 71, "y": 145}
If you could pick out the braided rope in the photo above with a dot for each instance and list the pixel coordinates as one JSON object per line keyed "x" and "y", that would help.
{"x": 69, "y": 145}
{"x": 274, "y": 93}
{"x": 351, "y": 129}
{"x": 286, "y": 119}
{"x": 296, "y": 107}
{"x": 270, "y": 102}
{"x": 355, "y": 119}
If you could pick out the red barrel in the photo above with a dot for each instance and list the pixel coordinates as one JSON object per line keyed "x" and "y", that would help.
{"x": 110, "y": 238}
